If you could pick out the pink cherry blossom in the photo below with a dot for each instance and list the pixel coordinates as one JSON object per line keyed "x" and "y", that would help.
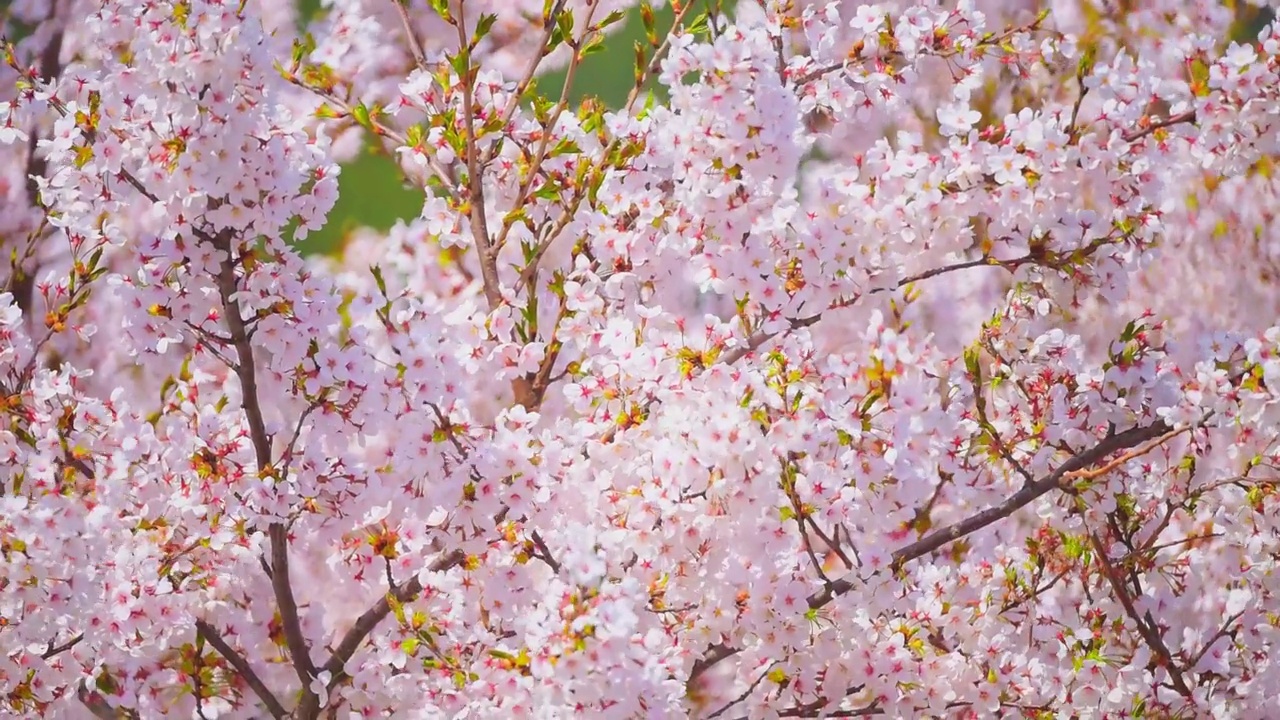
{"x": 894, "y": 359}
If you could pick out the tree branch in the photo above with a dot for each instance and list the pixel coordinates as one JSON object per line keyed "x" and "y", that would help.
{"x": 1017, "y": 501}
{"x": 745, "y": 694}
{"x": 1076, "y": 466}
{"x": 243, "y": 668}
{"x": 1150, "y": 127}
{"x": 99, "y": 707}
{"x": 365, "y": 624}
{"x": 485, "y": 251}
{"x": 547, "y": 557}
{"x": 277, "y": 533}
{"x": 55, "y": 650}
{"x": 1146, "y": 627}
{"x": 759, "y": 339}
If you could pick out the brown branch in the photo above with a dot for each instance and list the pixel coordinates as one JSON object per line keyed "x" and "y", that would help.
{"x": 243, "y": 668}
{"x": 22, "y": 283}
{"x": 513, "y": 102}
{"x": 96, "y": 705}
{"x": 370, "y": 619}
{"x": 815, "y": 709}
{"x": 415, "y": 46}
{"x": 759, "y": 339}
{"x": 818, "y": 707}
{"x": 99, "y": 707}
{"x": 526, "y": 187}
{"x": 1075, "y": 109}
{"x": 800, "y": 518}
{"x": 655, "y": 63}
{"x": 1146, "y": 627}
{"x": 936, "y": 540}
{"x": 50, "y": 68}
{"x": 527, "y": 275}
{"x": 745, "y": 694}
{"x": 197, "y": 680}
{"x": 475, "y": 175}
{"x": 277, "y": 533}
{"x": 55, "y": 650}
{"x": 832, "y": 544}
{"x": 714, "y": 655}
{"x": 1012, "y": 504}
{"x": 545, "y": 552}
{"x": 1148, "y": 127}
{"x": 1224, "y": 631}
{"x": 1034, "y": 593}
{"x": 391, "y": 140}
{"x": 1092, "y": 473}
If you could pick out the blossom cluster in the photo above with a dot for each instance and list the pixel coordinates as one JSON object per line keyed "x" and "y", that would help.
{"x": 871, "y": 359}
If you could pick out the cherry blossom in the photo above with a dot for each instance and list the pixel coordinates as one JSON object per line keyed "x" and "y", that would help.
{"x": 870, "y": 359}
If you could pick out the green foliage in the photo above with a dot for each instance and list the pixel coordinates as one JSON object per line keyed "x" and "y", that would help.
{"x": 372, "y": 192}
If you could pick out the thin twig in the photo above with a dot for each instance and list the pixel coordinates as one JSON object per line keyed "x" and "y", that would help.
{"x": 745, "y": 694}
{"x": 415, "y": 46}
{"x": 1146, "y": 626}
{"x": 55, "y": 650}
{"x": 513, "y": 102}
{"x": 1141, "y": 132}
{"x": 1223, "y": 631}
{"x": 526, "y": 187}
{"x": 545, "y": 552}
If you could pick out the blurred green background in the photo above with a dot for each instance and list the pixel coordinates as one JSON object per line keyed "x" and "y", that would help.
{"x": 373, "y": 194}
{"x": 371, "y": 190}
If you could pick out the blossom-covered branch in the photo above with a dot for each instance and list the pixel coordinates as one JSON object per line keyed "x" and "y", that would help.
{"x": 862, "y": 360}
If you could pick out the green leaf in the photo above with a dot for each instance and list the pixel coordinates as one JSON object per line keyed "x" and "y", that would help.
{"x": 594, "y": 46}
{"x": 484, "y": 25}
{"x": 650, "y": 27}
{"x": 564, "y": 147}
{"x": 397, "y": 608}
{"x": 461, "y": 64}
{"x": 564, "y": 23}
{"x": 610, "y": 19}
{"x": 361, "y": 114}
{"x": 701, "y": 25}
{"x": 442, "y": 9}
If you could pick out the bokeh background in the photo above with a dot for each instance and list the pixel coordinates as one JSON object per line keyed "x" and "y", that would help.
{"x": 373, "y": 193}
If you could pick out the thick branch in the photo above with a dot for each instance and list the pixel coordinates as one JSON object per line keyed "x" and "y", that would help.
{"x": 1146, "y": 627}
{"x": 22, "y": 283}
{"x": 1027, "y": 495}
{"x": 278, "y": 533}
{"x": 373, "y": 616}
{"x": 243, "y": 668}
{"x": 934, "y": 541}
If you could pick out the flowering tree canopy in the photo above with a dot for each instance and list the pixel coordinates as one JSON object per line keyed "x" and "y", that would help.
{"x": 900, "y": 359}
